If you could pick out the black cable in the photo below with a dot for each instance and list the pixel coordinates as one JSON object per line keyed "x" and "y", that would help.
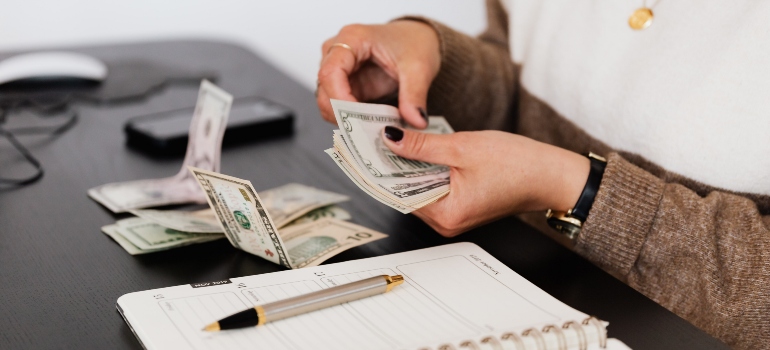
{"x": 10, "y": 134}
{"x": 50, "y": 130}
{"x": 44, "y": 105}
{"x": 28, "y": 156}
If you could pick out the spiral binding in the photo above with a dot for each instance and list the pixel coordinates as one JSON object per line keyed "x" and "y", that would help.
{"x": 560, "y": 337}
{"x": 600, "y": 328}
{"x": 582, "y": 337}
{"x": 534, "y": 333}
{"x": 517, "y": 340}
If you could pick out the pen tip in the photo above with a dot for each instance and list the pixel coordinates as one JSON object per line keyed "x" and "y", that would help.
{"x": 214, "y": 327}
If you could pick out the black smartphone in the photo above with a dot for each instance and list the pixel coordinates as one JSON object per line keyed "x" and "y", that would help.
{"x": 251, "y": 119}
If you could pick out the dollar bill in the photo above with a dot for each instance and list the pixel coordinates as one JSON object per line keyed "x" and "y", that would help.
{"x": 163, "y": 233}
{"x": 242, "y": 216}
{"x": 203, "y": 151}
{"x": 139, "y": 236}
{"x": 112, "y": 232}
{"x": 248, "y": 225}
{"x": 312, "y": 243}
{"x": 185, "y": 221}
{"x": 291, "y": 201}
{"x": 148, "y": 235}
{"x": 285, "y": 204}
{"x": 363, "y": 185}
{"x": 361, "y": 125}
{"x": 332, "y": 211}
{"x": 404, "y": 184}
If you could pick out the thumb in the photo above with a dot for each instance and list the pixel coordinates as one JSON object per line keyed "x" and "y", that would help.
{"x": 413, "y": 88}
{"x": 420, "y": 146}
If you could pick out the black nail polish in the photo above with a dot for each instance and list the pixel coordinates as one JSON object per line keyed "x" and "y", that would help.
{"x": 423, "y": 113}
{"x": 393, "y": 133}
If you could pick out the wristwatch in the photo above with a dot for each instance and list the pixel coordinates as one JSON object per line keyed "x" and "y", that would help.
{"x": 571, "y": 222}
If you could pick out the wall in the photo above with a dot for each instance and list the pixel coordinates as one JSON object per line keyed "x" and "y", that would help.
{"x": 288, "y": 33}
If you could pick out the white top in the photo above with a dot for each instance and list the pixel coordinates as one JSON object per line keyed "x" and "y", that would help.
{"x": 690, "y": 93}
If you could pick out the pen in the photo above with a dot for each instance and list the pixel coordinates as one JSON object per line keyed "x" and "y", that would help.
{"x": 304, "y": 303}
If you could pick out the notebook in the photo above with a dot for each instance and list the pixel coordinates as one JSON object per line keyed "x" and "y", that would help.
{"x": 455, "y": 296}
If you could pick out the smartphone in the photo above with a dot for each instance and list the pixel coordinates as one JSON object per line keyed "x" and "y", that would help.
{"x": 251, "y": 119}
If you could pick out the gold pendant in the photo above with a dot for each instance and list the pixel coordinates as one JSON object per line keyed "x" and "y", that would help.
{"x": 640, "y": 19}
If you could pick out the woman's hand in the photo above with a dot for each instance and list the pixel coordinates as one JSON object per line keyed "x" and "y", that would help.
{"x": 493, "y": 174}
{"x": 401, "y": 56}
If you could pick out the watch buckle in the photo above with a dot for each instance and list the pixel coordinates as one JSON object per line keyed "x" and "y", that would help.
{"x": 564, "y": 222}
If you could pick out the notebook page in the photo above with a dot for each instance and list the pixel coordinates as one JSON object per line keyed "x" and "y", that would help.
{"x": 451, "y": 291}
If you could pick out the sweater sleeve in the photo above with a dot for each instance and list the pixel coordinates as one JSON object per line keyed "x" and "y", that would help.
{"x": 475, "y": 87}
{"x": 706, "y": 258}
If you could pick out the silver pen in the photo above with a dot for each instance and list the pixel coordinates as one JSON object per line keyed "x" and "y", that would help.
{"x": 305, "y": 303}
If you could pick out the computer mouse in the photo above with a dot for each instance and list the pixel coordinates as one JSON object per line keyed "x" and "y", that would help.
{"x": 51, "y": 67}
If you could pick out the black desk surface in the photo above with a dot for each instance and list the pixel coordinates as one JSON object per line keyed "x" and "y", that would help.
{"x": 60, "y": 276}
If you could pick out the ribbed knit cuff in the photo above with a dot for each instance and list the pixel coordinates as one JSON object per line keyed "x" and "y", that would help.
{"x": 621, "y": 217}
{"x": 456, "y": 61}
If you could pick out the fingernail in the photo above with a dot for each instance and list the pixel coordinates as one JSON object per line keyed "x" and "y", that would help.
{"x": 423, "y": 113}
{"x": 393, "y": 133}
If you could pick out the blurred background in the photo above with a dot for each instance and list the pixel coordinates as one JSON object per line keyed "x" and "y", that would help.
{"x": 288, "y": 33}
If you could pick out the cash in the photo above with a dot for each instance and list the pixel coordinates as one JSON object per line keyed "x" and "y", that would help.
{"x": 403, "y": 184}
{"x": 202, "y": 221}
{"x": 140, "y": 236}
{"x": 314, "y": 242}
{"x": 203, "y": 151}
{"x": 288, "y": 204}
{"x": 332, "y": 211}
{"x": 248, "y": 225}
{"x": 157, "y": 230}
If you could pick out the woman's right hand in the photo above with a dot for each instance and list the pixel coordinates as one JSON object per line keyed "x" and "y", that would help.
{"x": 402, "y": 56}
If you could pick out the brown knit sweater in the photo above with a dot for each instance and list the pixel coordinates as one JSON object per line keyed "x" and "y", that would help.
{"x": 702, "y": 252}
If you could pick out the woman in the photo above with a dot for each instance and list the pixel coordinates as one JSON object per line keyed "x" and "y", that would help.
{"x": 680, "y": 209}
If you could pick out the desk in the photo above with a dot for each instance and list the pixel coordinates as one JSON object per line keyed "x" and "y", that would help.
{"x": 60, "y": 276}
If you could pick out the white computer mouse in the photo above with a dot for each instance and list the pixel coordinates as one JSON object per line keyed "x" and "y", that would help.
{"x": 51, "y": 66}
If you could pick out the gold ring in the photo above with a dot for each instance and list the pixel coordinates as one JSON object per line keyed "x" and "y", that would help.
{"x": 342, "y": 45}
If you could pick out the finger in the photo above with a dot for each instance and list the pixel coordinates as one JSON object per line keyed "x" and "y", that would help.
{"x": 333, "y": 76}
{"x": 413, "y": 95}
{"x": 419, "y": 146}
{"x": 354, "y": 36}
{"x": 327, "y": 45}
{"x": 371, "y": 83}
{"x": 325, "y": 106}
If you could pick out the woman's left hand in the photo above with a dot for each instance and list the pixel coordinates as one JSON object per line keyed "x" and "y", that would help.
{"x": 493, "y": 174}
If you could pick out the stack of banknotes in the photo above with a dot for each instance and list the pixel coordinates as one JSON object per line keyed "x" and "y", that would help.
{"x": 312, "y": 227}
{"x": 403, "y": 184}
{"x": 156, "y": 230}
{"x": 248, "y": 224}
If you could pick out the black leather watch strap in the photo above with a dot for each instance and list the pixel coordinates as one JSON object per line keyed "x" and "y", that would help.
{"x": 586, "y": 200}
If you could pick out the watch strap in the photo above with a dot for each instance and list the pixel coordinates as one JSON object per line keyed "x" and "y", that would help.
{"x": 586, "y": 200}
